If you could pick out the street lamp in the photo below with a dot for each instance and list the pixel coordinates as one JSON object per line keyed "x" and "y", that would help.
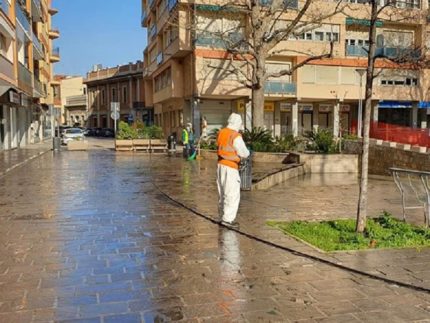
{"x": 360, "y": 72}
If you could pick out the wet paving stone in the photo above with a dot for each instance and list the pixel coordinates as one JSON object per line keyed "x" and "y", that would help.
{"x": 87, "y": 237}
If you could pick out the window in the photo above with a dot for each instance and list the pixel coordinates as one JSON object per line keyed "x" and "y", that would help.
{"x": 84, "y": 91}
{"x": 163, "y": 80}
{"x": 319, "y": 36}
{"x": 103, "y": 96}
{"x": 406, "y": 81}
{"x": 113, "y": 98}
{"x": 323, "y": 33}
{"x": 124, "y": 94}
{"x": 3, "y": 49}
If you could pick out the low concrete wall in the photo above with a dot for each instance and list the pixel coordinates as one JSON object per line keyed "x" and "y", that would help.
{"x": 342, "y": 163}
{"x": 278, "y": 178}
{"x": 384, "y": 154}
{"x": 77, "y": 145}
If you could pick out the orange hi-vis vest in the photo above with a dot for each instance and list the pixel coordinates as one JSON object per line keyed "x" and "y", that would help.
{"x": 227, "y": 155}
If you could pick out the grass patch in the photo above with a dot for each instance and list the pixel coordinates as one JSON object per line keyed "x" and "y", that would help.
{"x": 381, "y": 232}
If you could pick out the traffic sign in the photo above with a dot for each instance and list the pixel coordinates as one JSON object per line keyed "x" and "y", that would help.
{"x": 114, "y": 106}
{"x": 115, "y": 115}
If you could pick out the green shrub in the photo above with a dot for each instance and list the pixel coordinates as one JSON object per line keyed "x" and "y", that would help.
{"x": 322, "y": 141}
{"x": 286, "y": 143}
{"x": 125, "y": 131}
{"x": 259, "y": 139}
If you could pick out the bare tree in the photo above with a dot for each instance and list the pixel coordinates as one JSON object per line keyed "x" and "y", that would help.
{"x": 379, "y": 11}
{"x": 267, "y": 23}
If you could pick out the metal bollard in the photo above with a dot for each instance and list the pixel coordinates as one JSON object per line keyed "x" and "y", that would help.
{"x": 56, "y": 144}
{"x": 171, "y": 145}
{"x": 245, "y": 173}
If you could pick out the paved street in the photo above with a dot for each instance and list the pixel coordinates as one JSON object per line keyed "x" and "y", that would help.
{"x": 87, "y": 236}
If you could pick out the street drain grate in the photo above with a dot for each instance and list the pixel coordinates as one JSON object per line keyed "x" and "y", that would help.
{"x": 39, "y": 216}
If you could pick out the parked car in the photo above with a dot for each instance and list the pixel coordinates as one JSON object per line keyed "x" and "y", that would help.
{"x": 72, "y": 134}
{"x": 107, "y": 132}
{"x": 62, "y": 129}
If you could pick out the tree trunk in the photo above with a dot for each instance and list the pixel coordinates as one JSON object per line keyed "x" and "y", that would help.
{"x": 362, "y": 198}
{"x": 258, "y": 107}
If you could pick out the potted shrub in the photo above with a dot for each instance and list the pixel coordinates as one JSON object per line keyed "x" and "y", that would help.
{"x": 124, "y": 137}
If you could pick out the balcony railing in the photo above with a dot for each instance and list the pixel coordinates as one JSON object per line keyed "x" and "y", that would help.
{"x": 38, "y": 87}
{"x": 24, "y": 76}
{"x": 36, "y": 10}
{"x": 153, "y": 31}
{"x": 171, "y": 4}
{"x": 76, "y": 100}
{"x": 38, "y": 45}
{"x": 231, "y": 40}
{"x": 353, "y": 50}
{"x": 55, "y": 51}
{"x": 5, "y": 6}
{"x": 399, "y": 53}
{"x": 6, "y": 67}
{"x": 159, "y": 58}
{"x": 280, "y": 87}
{"x": 288, "y": 4}
{"x": 22, "y": 18}
{"x": 144, "y": 16}
{"x": 151, "y": 3}
{"x": 389, "y": 52}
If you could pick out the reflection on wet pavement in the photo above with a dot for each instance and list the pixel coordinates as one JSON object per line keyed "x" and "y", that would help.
{"x": 86, "y": 236}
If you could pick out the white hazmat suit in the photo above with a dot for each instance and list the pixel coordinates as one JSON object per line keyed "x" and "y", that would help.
{"x": 228, "y": 179}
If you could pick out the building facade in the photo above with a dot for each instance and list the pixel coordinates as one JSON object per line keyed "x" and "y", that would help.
{"x": 27, "y": 55}
{"x": 73, "y": 96}
{"x": 122, "y": 84}
{"x": 184, "y": 57}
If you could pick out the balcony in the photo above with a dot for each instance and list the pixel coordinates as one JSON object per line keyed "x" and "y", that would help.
{"x": 22, "y": 17}
{"x": 5, "y": 6}
{"x": 144, "y": 17}
{"x": 288, "y": 4}
{"x": 6, "y": 67}
{"x": 153, "y": 31}
{"x": 209, "y": 41}
{"x": 36, "y": 10}
{"x": 39, "y": 53}
{"x": 38, "y": 90}
{"x": 352, "y": 50}
{"x": 25, "y": 77}
{"x": 401, "y": 53}
{"x": 52, "y": 11}
{"x": 159, "y": 58}
{"x": 76, "y": 100}
{"x": 279, "y": 88}
{"x": 54, "y": 33}
{"x": 55, "y": 55}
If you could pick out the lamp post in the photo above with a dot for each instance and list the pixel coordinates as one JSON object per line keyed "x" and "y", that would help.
{"x": 360, "y": 72}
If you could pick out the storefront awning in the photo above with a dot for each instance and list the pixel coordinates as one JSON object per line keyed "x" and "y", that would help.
{"x": 394, "y": 105}
{"x": 424, "y": 105}
{"x": 5, "y": 86}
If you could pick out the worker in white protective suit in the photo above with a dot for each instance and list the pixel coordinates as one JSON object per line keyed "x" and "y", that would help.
{"x": 231, "y": 148}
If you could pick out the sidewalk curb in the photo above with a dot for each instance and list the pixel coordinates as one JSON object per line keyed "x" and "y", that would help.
{"x": 8, "y": 170}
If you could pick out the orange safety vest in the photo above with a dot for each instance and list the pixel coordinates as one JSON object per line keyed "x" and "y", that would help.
{"x": 227, "y": 155}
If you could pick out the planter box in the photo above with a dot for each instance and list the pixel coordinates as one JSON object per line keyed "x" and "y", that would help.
{"x": 123, "y": 145}
{"x": 77, "y": 145}
{"x": 141, "y": 144}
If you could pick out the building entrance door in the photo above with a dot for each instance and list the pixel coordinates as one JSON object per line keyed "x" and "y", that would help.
{"x": 307, "y": 121}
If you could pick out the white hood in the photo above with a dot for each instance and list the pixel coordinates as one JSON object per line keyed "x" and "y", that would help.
{"x": 235, "y": 122}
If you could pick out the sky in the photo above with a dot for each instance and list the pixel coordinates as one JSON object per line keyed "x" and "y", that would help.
{"x": 106, "y": 32}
